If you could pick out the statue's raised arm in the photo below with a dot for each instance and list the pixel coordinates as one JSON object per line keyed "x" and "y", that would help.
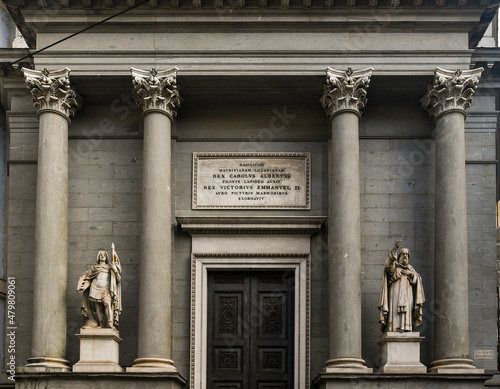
{"x": 402, "y": 293}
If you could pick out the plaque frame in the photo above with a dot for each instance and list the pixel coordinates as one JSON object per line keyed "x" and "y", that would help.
{"x": 305, "y": 156}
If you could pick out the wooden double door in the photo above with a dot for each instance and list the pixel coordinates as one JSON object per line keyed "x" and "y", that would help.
{"x": 250, "y": 330}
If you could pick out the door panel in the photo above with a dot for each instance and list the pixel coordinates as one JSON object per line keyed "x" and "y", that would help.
{"x": 250, "y": 330}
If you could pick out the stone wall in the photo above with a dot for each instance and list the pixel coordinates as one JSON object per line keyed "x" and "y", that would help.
{"x": 397, "y": 173}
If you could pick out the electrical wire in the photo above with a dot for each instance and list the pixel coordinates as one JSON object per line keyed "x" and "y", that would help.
{"x": 75, "y": 34}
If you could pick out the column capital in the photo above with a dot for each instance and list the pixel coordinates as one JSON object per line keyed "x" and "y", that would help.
{"x": 52, "y": 91}
{"x": 451, "y": 90}
{"x": 345, "y": 90}
{"x": 157, "y": 90}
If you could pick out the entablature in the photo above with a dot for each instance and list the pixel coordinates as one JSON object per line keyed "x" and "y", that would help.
{"x": 253, "y": 63}
{"x": 367, "y": 16}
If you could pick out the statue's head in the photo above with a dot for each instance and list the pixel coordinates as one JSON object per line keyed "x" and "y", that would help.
{"x": 404, "y": 257}
{"x": 102, "y": 258}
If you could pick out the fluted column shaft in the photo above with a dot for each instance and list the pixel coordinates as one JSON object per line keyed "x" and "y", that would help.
{"x": 155, "y": 90}
{"x": 343, "y": 98}
{"x": 56, "y": 101}
{"x": 447, "y": 100}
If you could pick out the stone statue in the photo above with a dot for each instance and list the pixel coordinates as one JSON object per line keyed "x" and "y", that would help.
{"x": 402, "y": 293}
{"x": 101, "y": 288}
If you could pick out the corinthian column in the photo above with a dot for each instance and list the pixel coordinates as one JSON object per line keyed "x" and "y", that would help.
{"x": 159, "y": 99}
{"x": 56, "y": 102}
{"x": 446, "y": 100}
{"x": 343, "y": 98}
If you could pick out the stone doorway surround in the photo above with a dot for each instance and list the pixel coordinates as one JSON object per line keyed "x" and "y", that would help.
{"x": 250, "y": 243}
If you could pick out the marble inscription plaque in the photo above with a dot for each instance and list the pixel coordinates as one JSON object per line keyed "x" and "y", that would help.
{"x": 484, "y": 354}
{"x": 251, "y": 180}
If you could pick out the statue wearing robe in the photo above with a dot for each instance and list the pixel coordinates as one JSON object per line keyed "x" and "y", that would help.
{"x": 101, "y": 288}
{"x": 402, "y": 293}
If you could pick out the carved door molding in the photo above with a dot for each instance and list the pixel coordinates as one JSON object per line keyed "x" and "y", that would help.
{"x": 298, "y": 264}
{"x": 248, "y": 243}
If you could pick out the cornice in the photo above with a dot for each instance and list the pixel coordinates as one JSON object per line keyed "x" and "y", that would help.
{"x": 10, "y": 55}
{"x": 470, "y": 16}
{"x": 196, "y": 225}
{"x": 259, "y": 16}
{"x": 194, "y": 6}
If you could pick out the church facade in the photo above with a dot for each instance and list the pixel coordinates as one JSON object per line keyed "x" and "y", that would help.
{"x": 253, "y": 163}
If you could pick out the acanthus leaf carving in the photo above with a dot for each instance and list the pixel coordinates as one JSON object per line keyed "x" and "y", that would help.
{"x": 345, "y": 90}
{"x": 451, "y": 90}
{"x": 157, "y": 90}
{"x": 52, "y": 91}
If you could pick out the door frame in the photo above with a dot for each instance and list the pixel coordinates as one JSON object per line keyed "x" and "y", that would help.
{"x": 250, "y": 243}
{"x": 202, "y": 263}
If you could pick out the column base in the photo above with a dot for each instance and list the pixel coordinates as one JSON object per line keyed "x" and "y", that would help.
{"x": 401, "y": 353}
{"x": 454, "y": 366}
{"x": 46, "y": 365}
{"x": 99, "y": 351}
{"x": 346, "y": 365}
{"x": 152, "y": 365}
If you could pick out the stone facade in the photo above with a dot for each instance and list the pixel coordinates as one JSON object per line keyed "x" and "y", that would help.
{"x": 249, "y": 79}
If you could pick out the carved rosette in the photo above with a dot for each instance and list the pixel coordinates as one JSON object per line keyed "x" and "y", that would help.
{"x": 52, "y": 91}
{"x": 345, "y": 91}
{"x": 157, "y": 90}
{"x": 451, "y": 90}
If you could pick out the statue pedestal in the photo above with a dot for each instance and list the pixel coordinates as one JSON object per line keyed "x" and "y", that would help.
{"x": 99, "y": 351}
{"x": 401, "y": 353}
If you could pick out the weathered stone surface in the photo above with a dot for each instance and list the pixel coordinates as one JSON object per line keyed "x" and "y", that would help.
{"x": 401, "y": 353}
{"x": 77, "y": 380}
{"x": 99, "y": 351}
{"x": 234, "y": 115}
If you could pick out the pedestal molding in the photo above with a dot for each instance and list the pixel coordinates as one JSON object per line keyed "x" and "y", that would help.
{"x": 401, "y": 353}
